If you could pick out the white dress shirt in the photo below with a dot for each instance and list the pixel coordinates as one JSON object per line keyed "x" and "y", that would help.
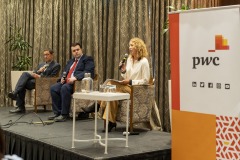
{"x": 138, "y": 72}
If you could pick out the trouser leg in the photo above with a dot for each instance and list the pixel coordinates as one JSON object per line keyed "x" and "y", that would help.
{"x": 66, "y": 94}
{"x": 113, "y": 108}
{"x": 56, "y": 98}
{"x": 22, "y": 81}
{"x": 29, "y": 84}
{"x": 21, "y": 99}
{"x": 112, "y": 111}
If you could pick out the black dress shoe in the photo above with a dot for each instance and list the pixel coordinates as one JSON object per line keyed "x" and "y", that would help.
{"x": 61, "y": 118}
{"x": 82, "y": 116}
{"x": 53, "y": 116}
{"x": 12, "y": 95}
{"x": 90, "y": 108}
{"x": 17, "y": 110}
{"x": 110, "y": 126}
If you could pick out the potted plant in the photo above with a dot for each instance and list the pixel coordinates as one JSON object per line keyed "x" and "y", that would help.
{"x": 19, "y": 46}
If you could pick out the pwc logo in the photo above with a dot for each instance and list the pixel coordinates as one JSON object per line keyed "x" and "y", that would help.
{"x": 220, "y": 44}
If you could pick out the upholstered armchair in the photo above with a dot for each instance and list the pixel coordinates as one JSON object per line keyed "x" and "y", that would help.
{"x": 40, "y": 96}
{"x": 83, "y": 103}
{"x": 142, "y": 100}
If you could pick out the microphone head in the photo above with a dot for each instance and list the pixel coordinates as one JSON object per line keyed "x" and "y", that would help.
{"x": 46, "y": 65}
{"x": 125, "y": 57}
{"x": 64, "y": 75}
{"x": 123, "y": 60}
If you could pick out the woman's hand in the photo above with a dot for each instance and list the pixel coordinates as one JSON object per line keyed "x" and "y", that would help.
{"x": 125, "y": 81}
{"x": 123, "y": 67}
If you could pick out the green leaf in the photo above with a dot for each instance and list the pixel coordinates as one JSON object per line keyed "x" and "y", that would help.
{"x": 19, "y": 46}
{"x": 185, "y": 7}
{"x": 164, "y": 31}
{"x": 170, "y": 7}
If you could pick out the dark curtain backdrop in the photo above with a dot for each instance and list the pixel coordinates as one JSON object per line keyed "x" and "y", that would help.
{"x": 103, "y": 27}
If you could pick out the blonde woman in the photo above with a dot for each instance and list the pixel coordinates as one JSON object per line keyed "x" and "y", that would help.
{"x": 135, "y": 71}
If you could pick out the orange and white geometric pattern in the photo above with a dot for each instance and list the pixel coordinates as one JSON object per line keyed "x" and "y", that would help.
{"x": 227, "y": 138}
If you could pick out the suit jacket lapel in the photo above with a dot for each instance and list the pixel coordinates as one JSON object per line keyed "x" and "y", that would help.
{"x": 81, "y": 59}
{"x": 70, "y": 64}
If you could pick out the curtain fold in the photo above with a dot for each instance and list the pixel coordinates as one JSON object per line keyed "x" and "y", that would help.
{"x": 103, "y": 27}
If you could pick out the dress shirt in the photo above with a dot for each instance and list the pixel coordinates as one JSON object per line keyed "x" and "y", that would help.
{"x": 78, "y": 59}
{"x": 138, "y": 72}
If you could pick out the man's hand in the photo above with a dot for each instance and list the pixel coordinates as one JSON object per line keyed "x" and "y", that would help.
{"x": 35, "y": 75}
{"x": 71, "y": 80}
{"x": 41, "y": 69}
{"x": 63, "y": 80}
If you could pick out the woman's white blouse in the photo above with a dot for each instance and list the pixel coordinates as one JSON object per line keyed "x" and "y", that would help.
{"x": 138, "y": 72}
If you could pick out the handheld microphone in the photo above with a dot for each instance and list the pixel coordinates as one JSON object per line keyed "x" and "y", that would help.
{"x": 123, "y": 60}
{"x": 64, "y": 75}
{"x": 46, "y": 66}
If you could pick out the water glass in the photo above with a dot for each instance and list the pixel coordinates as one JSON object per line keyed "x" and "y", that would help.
{"x": 112, "y": 88}
{"x": 102, "y": 88}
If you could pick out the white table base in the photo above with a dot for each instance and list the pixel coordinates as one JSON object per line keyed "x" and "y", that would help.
{"x": 106, "y": 97}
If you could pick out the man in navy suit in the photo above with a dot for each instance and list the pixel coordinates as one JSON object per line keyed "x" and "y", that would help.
{"x": 62, "y": 91}
{"x": 49, "y": 68}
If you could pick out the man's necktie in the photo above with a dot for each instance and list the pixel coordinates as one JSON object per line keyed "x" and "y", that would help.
{"x": 71, "y": 70}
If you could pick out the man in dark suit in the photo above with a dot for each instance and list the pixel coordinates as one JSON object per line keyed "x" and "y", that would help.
{"x": 49, "y": 68}
{"x": 62, "y": 91}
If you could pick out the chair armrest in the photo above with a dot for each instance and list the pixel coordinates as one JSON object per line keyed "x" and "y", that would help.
{"x": 42, "y": 90}
{"x": 142, "y": 99}
{"x": 142, "y": 93}
{"x": 77, "y": 88}
{"x": 78, "y": 84}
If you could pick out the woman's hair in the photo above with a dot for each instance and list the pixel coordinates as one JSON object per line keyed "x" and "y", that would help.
{"x": 140, "y": 47}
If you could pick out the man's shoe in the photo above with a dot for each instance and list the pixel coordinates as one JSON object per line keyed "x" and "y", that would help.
{"x": 17, "y": 110}
{"x": 90, "y": 108}
{"x": 12, "y": 95}
{"x": 61, "y": 118}
{"x": 53, "y": 116}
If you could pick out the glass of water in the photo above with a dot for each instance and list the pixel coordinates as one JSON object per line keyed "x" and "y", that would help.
{"x": 102, "y": 87}
{"x": 112, "y": 88}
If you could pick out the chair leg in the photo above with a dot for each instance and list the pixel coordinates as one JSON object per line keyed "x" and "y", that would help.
{"x": 149, "y": 126}
{"x": 131, "y": 127}
{"x": 104, "y": 125}
{"x": 35, "y": 108}
{"x": 44, "y": 108}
